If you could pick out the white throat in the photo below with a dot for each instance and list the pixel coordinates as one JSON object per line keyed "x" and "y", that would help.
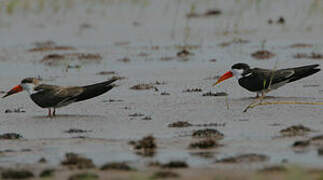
{"x": 237, "y": 73}
{"x": 29, "y": 87}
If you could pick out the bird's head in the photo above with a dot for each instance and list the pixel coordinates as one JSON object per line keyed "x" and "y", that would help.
{"x": 27, "y": 84}
{"x": 238, "y": 70}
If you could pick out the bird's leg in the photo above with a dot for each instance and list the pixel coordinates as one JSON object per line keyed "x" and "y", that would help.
{"x": 257, "y": 96}
{"x": 54, "y": 112}
{"x": 49, "y": 112}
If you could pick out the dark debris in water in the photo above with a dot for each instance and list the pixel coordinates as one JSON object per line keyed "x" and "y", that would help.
{"x": 106, "y": 73}
{"x": 234, "y": 41}
{"x": 208, "y": 133}
{"x": 203, "y": 154}
{"x": 208, "y": 13}
{"x": 184, "y": 53}
{"x": 113, "y": 100}
{"x": 75, "y": 160}
{"x": 263, "y": 54}
{"x": 164, "y": 93}
{"x": 10, "y": 136}
{"x": 301, "y": 45}
{"x": 301, "y": 144}
{"x": 272, "y": 169}
{"x": 47, "y": 173}
{"x": 49, "y": 46}
{"x": 124, "y": 60}
{"x": 16, "y": 174}
{"x": 312, "y": 55}
{"x": 136, "y": 115}
{"x": 167, "y": 58}
{"x": 215, "y": 94}
{"x": 53, "y": 59}
{"x": 180, "y": 124}
{"x": 84, "y": 176}
{"x": 142, "y": 87}
{"x": 17, "y": 110}
{"x": 281, "y": 20}
{"x": 116, "y": 166}
{"x": 145, "y": 147}
{"x": 164, "y": 174}
{"x": 297, "y": 130}
{"x": 204, "y": 144}
{"x": 211, "y": 125}
{"x": 75, "y": 130}
{"x": 175, "y": 164}
{"x": 147, "y": 118}
{"x": 244, "y": 158}
{"x": 42, "y": 160}
{"x": 192, "y": 90}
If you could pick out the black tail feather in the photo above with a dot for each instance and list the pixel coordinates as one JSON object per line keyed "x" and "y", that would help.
{"x": 94, "y": 90}
{"x": 304, "y": 71}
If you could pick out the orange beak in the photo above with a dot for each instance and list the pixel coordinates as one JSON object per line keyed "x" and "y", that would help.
{"x": 14, "y": 90}
{"x": 225, "y": 76}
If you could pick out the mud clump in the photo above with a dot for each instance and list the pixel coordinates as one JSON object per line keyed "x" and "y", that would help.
{"x": 54, "y": 59}
{"x": 47, "y": 173}
{"x": 192, "y": 90}
{"x": 164, "y": 94}
{"x": 180, "y": 124}
{"x": 74, "y": 130}
{"x": 297, "y": 130}
{"x": 147, "y": 118}
{"x": 244, "y": 158}
{"x": 281, "y": 20}
{"x": 145, "y": 147}
{"x": 136, "y": 115}
{"x": 234, "y": 41}
{"x": 301, "y": 45}
{"x": 42, "y": 160}
{"x": 317, "y": 140}
{"x": 215, "y": 94}
{"x": 272, "y": 169}
{"x": 204, "y": 144}
{"x": 263, "y": 54}
{"x": 308, "y": 56}
{"x": 72, "y": 159}
{"x": 142, "y": 87}
{"x": 211, "y": 133}
{"x": 116, "y": 166}
{"x": 301, "y": 144}
{"x": 208, "y": 13}
{"x": 84, "y": 176}
{"x": 18, "y": 110}
{"x": 175, "y": 164}
{"x": 184, "y": 53}
{"x": 211, "y": 125}
{"x": 164, "y": 174}
{"x": 167, "y": 58}
{"x": 16, "y": 174}
{"x": 106, "y": 73}
{"x": 10, "y": 136}
{"x": 320, "y": 151}
{"x": 203, "y": 154}
{"x": 49, "y": 46}
{"x": 124, "y": 60}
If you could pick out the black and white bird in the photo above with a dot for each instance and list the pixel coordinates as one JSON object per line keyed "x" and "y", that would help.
{"x": 52, "y": 96}
{"x": 264, "y": 80}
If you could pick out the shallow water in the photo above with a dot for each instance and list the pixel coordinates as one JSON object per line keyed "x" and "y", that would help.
{"x": 109, "y": 122}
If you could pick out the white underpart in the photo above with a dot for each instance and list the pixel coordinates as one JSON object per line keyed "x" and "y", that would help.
{"x": 237, "y": 73}
{"x": 29, "y": 87}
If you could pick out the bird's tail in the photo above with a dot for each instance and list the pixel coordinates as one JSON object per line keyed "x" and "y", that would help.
{"x": 304, "y": 71}
{"x": 97, "y": 89}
